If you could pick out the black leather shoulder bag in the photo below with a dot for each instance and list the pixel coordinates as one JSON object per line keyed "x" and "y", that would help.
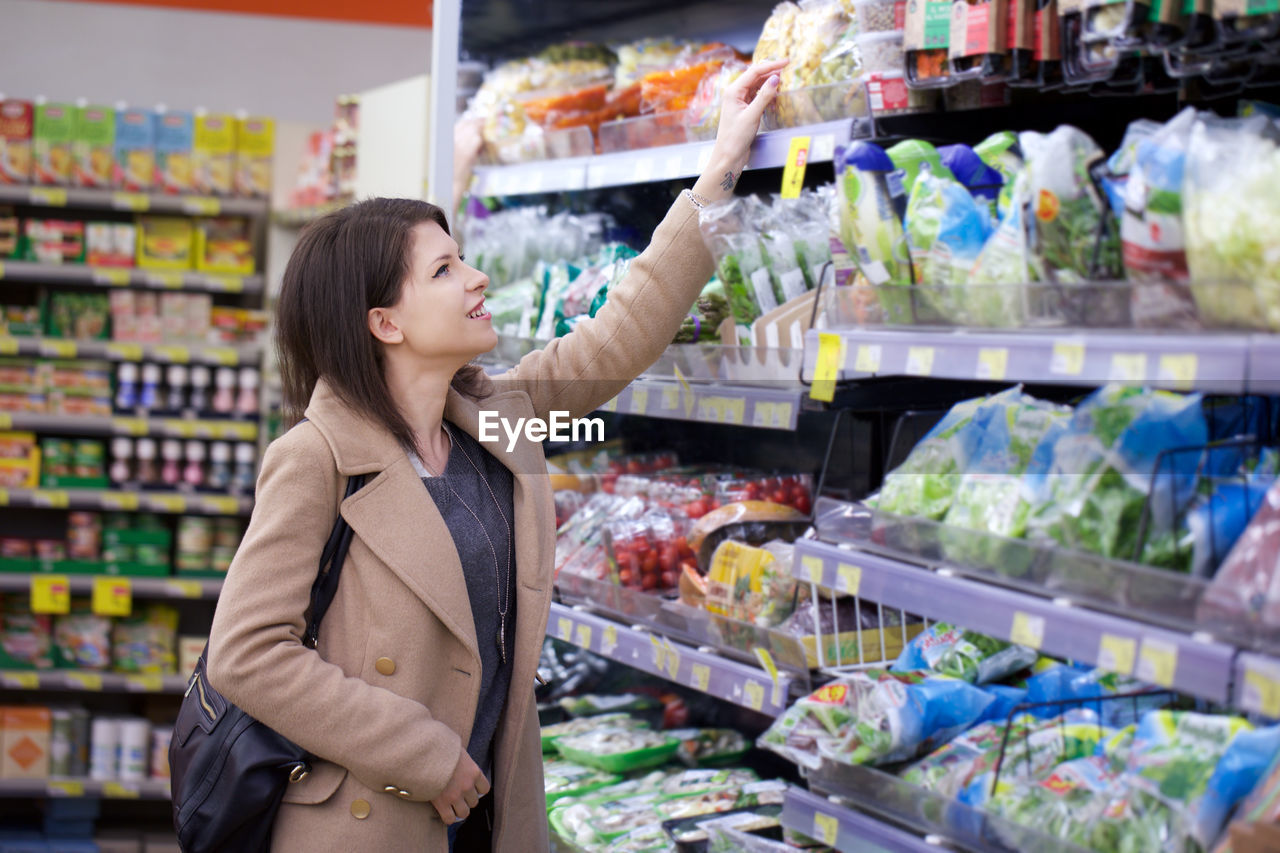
{"x": 228, "y": 771}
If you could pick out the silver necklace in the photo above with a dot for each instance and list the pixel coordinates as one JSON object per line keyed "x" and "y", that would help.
{"x": 504, "y": 597}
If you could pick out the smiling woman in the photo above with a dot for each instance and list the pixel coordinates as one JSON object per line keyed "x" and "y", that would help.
{"x": 417, "y": 700}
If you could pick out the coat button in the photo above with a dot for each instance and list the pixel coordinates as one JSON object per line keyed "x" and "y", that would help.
{"x": 360, "y": 809}
{"x": 385, "y": 666}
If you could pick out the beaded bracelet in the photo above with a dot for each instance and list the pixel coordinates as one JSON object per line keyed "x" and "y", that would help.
{"x": 698, "y": 201}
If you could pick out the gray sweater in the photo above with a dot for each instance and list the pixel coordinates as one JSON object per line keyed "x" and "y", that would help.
{"x": 477, "y": 565}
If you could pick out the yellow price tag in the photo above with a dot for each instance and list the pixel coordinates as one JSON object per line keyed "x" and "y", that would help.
{"x": 564, "y": 629}
{"x": 201, "y": 206}
{"x": 670, "y": 398}
{"x": 216, "y": 505}
{"x": 826, "y": 368}
{"x": 1027, "y": 630}
{"x": 793, "y": 171}
{"x": 583, "y": 637}
{"x": 112, "y": 277}
{"x": 1157, "y": 662}
{"x": 610, "y": 640}
{"x": 919, "y": 361}
{"x": 735, "y": 411}
{"x": 50, "y": 594}
{"x": 172, "y": 353}
{"x": 54, "y": 348}
{"x": 993, "y": 363}
{"x": 131, "y": 201}
{"x": 766, "y": 661}
{"x": 112, "y": 596}
{"x": 243, "y": 432}
{"x": 610, "y": 405}
{"x": 49, "y": 196}
{"x": 850, "y": 578}
{"x": 690, "y": 399}
{"x": 753, "y": 692}
{"x": 764, "y": 414}
{"x": 1261, "y": 693}
{"x": 65, "y": 788}
{"x": 639, "y": 400}
{"x": 826, "y": 828}
{"x": 4, "y": 497}
{"x": 9, "y": 346}
{"x": 1179, "y": 370}
{"x": 867, "y": 359}
{"x": 1, "y": 270}
{"x": 711, "y": 410}
{"x": 1067, "y": 358}
{"x": 812, "y": 567}
{"x": 118, "y": 501}
{"x": 782, "y": 412}
{"x": 673, "y": 658}
{"x": 167, "y": 280}
{"x": 183, "y": 589}
{"x": 1116, "y": 653}
{"x": 50, "y": 499}
{"x": 144, "y": 683}
{"x": 129, "y": 426}
{"x": 225, "y": 283}
{"x": 119, "y": 791}
{"x": 225, "y": 356}
{"x": 180, "y": 428}
{"x": 659, "y": 653}
{"x": 700, "y": 674}
{"x": 1128, "y": 367}
{"x": 85, "y": 680}
{"x": 6, "y": 420}
{"x": 124, "y": 351}
{"x": 20, "y": 680}
{"x": 167, "y": 503}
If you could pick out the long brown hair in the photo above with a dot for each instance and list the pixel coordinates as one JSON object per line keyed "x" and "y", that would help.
{"x": 345, "y": 264}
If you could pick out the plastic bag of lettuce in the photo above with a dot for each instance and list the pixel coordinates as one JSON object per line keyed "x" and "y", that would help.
{"x": 1091, "y": 494}
{"x": 925, "y": 483}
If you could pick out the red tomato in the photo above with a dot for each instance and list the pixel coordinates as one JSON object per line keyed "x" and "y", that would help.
{"x": 668, "y": 579}
{"x": 649, "y": 582}
{"x": 650, "y": 564}
{"x": 624, "y": 577}
{"x": 803, "y": 505}
{"x": 667, "y": 559}
{"x": 778, "y": 496}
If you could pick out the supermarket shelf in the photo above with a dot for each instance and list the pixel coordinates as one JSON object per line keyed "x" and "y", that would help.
{"x": 75, "y": 787}
{"x": 119, "y": 425}
{"x": 109, "y": 500}
{"x": 765, "y": 408}
{"x": 97, "y": 682}
{"x": 140, "y": 587}
{"x": 1257, "y": 684}
{"x": 192, "y": 205}
{"x": 670, "y": 162}
{"x": 1185, "y": 662}
{"x": 80, "y": 275}
{"x": 228, "y": 356}
{"x": 845, "y": 829}
{"x": 703, "y": 671}
{"x": 1264, "y": 364}
{"x": 1222, "y": 363}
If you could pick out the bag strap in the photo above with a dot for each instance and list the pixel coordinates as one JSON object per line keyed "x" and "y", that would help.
{"x": 325, "y": 586}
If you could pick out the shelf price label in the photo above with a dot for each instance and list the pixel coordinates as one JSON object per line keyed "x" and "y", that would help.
{"x": 6, "y": 420}
{"x": 9, "y": 346}
{"x": 85, "y": 680}
{"x": 1178, "y": 370}
{"x": 129, "y": 426}
{"x": 831, "y": 352}
{"x": 124, "y": 351}
{"x": 119, "y": 791}
{"x": 166, "y": 280}
{"x": 850, "y": 578}
{"x": 919, "y": 361}
{"x": 700, "y": 676}
{"x": 53, "y": 348}
{"x": 609, "y": 641}
{"x": 639, "y": 400}
{"x": 735, "y": 411}
{"x": 610, "y": 405}
{"x": 673, "y": 658}
{"x": 225, "y": 283}
{"x": 1027, "y": 630}
{"x": 111, "y": 277}
{"x": 167, "y": 503}
{"x": 753, "y": 695}
{"x": 65, "y": 788}
{"x": 826, "y": 828}
{"x": 867, "y": 358}
{"x": 993, "y": 363}
{"x": 690, "y": 398}
{"x": 564, "y": 629}
{"x": 112, "y": 596}
{"x": 659, "y": 654}
{"x": 766, "y": 661}
{"x": 221, "y": 505}
{"x": 118, "y": 501}
{"x": 1261, "y": 690}
{"x": 20, "y": 680}
{"x": 49, "y": 196}
{"x": 144, "y": 683}
{"x": 172, "y": 353}
{"x": 583, "y": 637}
{"x": 1128, "y": 367}
{"x": 671, "y": 398}
{"x": 1116, "y": 653}
{"x": 201, "y": 206}
{"x": 811, "y": 568}
{"x": 225, "y": 356}
{"x": 793, "y": 171}
{"x": 50, "y": 499}
{"x": 1157, "y": 662}
{"x": 138, "y": 202}
{"x": 1067, "y": 358}
{"x": 50, "y": 594}
{"x": 183, "y": 589}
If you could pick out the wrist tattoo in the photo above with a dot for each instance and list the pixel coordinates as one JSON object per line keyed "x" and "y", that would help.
{"x": 728, "y": 182}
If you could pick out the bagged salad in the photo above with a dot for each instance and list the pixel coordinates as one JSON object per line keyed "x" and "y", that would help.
{"x": 925, "y": 483}
{"x": 875, "y": 717}
{"x": 966, "y": 655}
{"x": 706, "y": 747}
{"x": 709, "y": 310}
{"x": 618, "y": 750}
{"x": 567, "y": 779}
{"x": 870, "y": 226}
{"x": 946, "y": 229}
{"x": 740, "y": 264}
{"x": 582, "y": 725}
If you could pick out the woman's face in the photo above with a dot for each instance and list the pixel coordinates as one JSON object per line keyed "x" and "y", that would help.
{"x": 441, "y": 309}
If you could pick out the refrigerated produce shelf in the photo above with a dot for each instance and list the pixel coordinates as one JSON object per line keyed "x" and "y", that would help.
{"x": 80, "y": 275}
{"x": 1215, "y": 362}
{"x": 701, "y": 670}
{"x": 94, "y": 199}
{"x": 845, "y": 829}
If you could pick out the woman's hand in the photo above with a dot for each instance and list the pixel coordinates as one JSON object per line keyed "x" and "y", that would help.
{"x": 464, "y": 790}
{"x": 741, "y": 108}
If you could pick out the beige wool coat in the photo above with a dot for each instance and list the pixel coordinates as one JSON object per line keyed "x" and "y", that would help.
{"x": 387, "y": 700}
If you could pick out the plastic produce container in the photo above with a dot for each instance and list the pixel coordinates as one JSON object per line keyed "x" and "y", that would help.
{"x": 880, "y": 16}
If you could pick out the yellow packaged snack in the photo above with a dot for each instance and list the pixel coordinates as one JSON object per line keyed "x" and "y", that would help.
{"x": 214, "y": 154}
{"x": 165, "y": 243}
{"x": 255, "y": 146}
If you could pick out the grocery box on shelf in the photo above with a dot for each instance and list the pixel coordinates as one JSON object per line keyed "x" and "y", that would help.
{"x": 165, "y": 243}
{"x": 51, "y": 143}
{"x": 135, "y": 150}
{"x": 214, "y": 153}
{"x": 175, "y": 136}
{"x": 255, "y": 147}
{"x": 93, "y": 146}
{"x": 17, "y": 122}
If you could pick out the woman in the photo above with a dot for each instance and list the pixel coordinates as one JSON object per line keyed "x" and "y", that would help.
{"x": 418, "y": 699}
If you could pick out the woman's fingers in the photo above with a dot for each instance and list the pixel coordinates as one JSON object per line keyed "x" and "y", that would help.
{"x": 756, "y": 75}
{"x": 460, "y": 812}
{"x": 482, "y": 785}
{"x": 471, "y": 798}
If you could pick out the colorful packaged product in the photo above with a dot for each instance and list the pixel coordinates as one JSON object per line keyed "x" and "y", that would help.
{"x": 214, "y": 154}
{"x": 175, "y": 139}
{"x": 93, "y": 146}
{"x": 135, "y": 149}
{"x": 165, "y": 242}
{"x": 17, "y": 122}
{"x": 51, "y": 143}
{"x": 255, "y": 146}
{"x": 224, "y": 244}
{"x": 111, "y": 244}
{"x": 54, "y": 241}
